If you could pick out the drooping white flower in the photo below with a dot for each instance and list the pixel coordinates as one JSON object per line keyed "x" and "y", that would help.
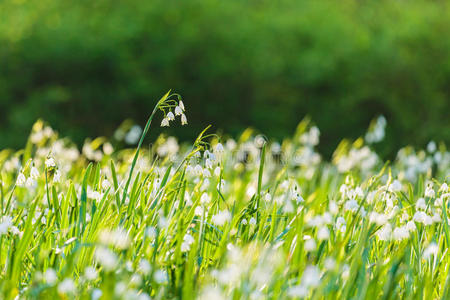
{"x": 5, "y": 224}
{"x": 50, "y": 276}
{"x": 204, "y": 199}
{"x": 144, "y": 266}
{"x": 329, "y": 263}
{"x": 96, "y": 294}
{"x": 423, "y": 218}
{"x": 379, "y": 219}
{"x": 429, "y": 192}
{"x": 181, "y": 104}
{"x": 50, "y": 162}
{"x": 385, "y": 232}
{"x": 395, "y": 186}
{"x": 299, "y": 291}
{"x": 117, "y": 238}
{"x": 351, "y": 205}
{"x": 34, "y": 173}
{"x": 341, "y": 224}
{"x": 323, "y": 233}
{"x": 105, "y": 184}
{"x": 221, "y": 217}
{"x": 432, "y": 249}
{"x": 165, "y": 122}
{"x": 198, "y": 211}
{"x": 183, "y": 119}
{"x": 170, "y": 116}
{"x": 57, "y": 176}
{"x": 188, "y": 240}
{"x": 67, "y": 286}
{"x": 178, "y": 111}
{"x": 133, "y": 135}
{"x": 431, "y": 147}
{"x": 106, "y": 258}
{"x": 311, "y": 276}
{"x": 160, "y": 276}
{"x": 420, "y": 204}
{"x": 400, "y": 233}
{"x": 411, "y": 226}
{"x": 310, "y": 245}
{"x": 31, "y": 183}
{"x": 252, "y": 221}
{"x": 436, "y": 217}
{"x": 21, "y": 180}
{"x": 90, "y": 273}
{"x": 219, "y": 148}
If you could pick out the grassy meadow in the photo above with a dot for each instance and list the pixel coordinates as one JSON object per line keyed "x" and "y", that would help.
{"x": 222, "y": 218}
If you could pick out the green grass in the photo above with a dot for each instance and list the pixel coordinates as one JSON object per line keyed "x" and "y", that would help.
{"x": 254, "y": 220}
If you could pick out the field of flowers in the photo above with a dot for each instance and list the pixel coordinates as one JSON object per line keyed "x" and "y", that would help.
{"x": 222, "y": 218}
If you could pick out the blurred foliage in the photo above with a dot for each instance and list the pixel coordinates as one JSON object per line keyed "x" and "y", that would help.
{"x": 85, "y": 66}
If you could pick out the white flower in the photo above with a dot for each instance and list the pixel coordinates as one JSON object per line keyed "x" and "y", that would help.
{"x": 429, "y": 192}
{"x": 50, "y": 162}
{"x": 385, "y": 232}
{"x": 329, "y": 263}
{"x": 178, "y": 111}
{"x": 221, "y": 218}
{"x": 105, "y": 184}
{"x": 198, "y": 211}
{"x": 323, "y": 233}
{"x": 422, "y": 217}
{"x": 252, "y": 221}
{"x": 219, "y": 148}
{"x": 206, "y": 173}
{"x": 420, "y": 204}
{"x": 311, "y": 276}
{"x": 170, "y": 116}
{"x": 34, "y": 173}
{"x": 310, "y": 245}
{"x": 204, "y": 199}
{"x": 183, "y": 119}
{"x": 160, "y": 276}
{"x": 181, "y": 104}
{"x": 395, "y": 186}
{"x": 144, "y": 266}
{"x": 351, "y": 205}
{"x": 432, "y": 249}
{"x": 133, "y": 135}
{"x": 341, "y": 224}
{"x": 117, "y": 238}
{"x": 50, "y": 276}
{"x": 106, "y": 258}
{"x": 299, "y": 291}
{"x": 67, "y": 286}
{"x": 401, "y": 233}
{"x": 217, "y": 171}
{"x": 31, "y": 183}
{"x": 165, "y": 122}
{"x": 188, "y": 240}
{"x": 57, "y": 176}
{"x": 431, "y": 147}
{"x": 411, "y": 226}
{"x": 90, "y": 273}
{"x": 21, "y": 180}
{"x": 436, "y": 217}
{"x": 96, "y": 294}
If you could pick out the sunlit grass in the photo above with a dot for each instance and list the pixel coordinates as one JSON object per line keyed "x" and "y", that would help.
{"x": 222, "y": 219}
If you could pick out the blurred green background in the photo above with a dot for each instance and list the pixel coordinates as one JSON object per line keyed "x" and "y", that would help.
{"x": 85, "y": 66}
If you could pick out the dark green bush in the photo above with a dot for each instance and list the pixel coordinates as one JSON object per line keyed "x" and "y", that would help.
{"x": 84, "y": 66}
